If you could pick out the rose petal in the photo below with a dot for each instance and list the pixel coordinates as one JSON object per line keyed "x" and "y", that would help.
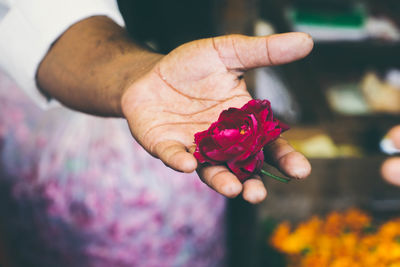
{"x": 262, "y": 108}
{"x": 246, "y": 168}
{"x": 218, "y": 155}
{"x": 253, "y": 164}
{"x": 238, "y": 137}
{"x": 231, "y": 118}
{"x": 241, "y": 174}
{"x": 204, "y": 147}
{"x": 227, "y": 137}
{"x": 283, "y": 126}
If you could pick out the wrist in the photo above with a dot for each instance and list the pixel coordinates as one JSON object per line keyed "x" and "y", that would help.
{"x": 128, "y": 96}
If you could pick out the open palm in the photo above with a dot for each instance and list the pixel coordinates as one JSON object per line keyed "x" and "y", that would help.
{"x": 187, "y": 90}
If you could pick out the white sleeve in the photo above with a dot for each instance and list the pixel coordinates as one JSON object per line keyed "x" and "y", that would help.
{"x": 29, "y": 27}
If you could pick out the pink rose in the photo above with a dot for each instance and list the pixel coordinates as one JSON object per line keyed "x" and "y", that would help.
{"x": 238, "y": 137}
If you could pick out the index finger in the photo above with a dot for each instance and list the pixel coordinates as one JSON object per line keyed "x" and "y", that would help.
{"x": 222, "y": 180}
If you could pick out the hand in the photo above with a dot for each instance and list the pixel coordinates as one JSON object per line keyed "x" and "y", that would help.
{"x": 187, "y": 89}
{"x": 391, "y": 167}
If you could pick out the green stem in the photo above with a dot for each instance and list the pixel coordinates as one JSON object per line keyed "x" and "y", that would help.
{"x": 280, "y": 179}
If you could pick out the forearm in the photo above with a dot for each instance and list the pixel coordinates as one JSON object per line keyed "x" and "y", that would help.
{"x": 91, "y": 64}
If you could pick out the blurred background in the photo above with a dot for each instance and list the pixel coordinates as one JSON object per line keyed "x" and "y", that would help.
{"x": 340, "y": 102}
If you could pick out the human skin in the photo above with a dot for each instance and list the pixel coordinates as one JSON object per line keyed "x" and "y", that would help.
{"x": 94, "y": 67}
{"x": 391, "y": 167}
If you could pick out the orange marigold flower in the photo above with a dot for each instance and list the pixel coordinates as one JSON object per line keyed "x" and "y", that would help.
{"x": 342, "y": 239}
{"x": 333, "y": 223}
{"x": 356, "y": 219}
{"x": 280, "y": 235}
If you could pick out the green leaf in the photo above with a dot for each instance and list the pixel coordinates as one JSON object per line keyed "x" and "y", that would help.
{"x": 280, "y": 179}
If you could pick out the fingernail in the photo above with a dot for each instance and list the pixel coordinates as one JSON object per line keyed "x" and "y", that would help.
{"x": 256, "y": 196}
{"x": 302, "y": 170}
{"x": 231, "y": 189}
{"x": 387, "y": 146}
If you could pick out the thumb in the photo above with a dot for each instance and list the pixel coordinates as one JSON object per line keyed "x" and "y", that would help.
{"x": 239, "y": 52}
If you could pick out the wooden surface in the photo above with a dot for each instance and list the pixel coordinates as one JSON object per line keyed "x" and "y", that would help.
{"x": 335, "y": 184}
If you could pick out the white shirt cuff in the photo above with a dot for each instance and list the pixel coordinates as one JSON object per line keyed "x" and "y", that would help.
{"x": 30, "y": 27}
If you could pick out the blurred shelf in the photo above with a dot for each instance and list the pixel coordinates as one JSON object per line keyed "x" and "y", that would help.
{"x": 342, "y": 56}
{"x": 335, "y": 183}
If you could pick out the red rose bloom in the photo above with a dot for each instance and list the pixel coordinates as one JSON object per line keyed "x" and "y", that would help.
{"x": 238, "y": 137}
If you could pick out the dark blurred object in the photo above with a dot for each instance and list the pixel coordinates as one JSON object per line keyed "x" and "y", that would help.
{"x": 169, "y": 23}
{"x": 242, "y": 223}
